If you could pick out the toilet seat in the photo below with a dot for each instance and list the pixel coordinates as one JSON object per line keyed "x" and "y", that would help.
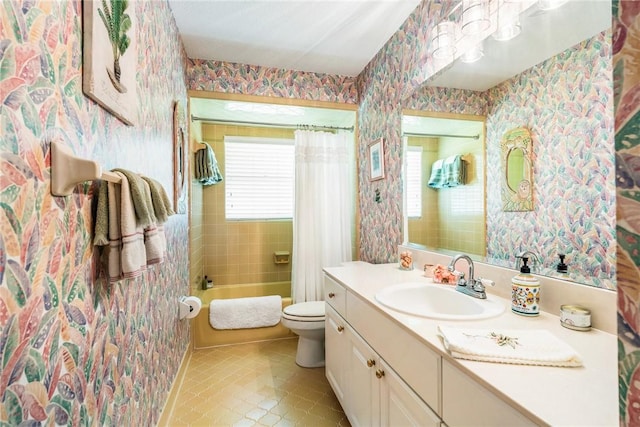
{"x": 310, "y": 311}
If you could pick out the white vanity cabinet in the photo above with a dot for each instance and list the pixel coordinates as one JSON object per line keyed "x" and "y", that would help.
{"x": 336, "y": 352}
{"x": 467, "y": 403}
{"x": 370, "y": 391}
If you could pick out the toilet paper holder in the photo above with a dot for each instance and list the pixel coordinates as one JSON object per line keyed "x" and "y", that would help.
{"x": 188, "y": 307}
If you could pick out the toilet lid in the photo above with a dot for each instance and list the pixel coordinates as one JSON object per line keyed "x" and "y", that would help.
{"x": 309, "y": 311}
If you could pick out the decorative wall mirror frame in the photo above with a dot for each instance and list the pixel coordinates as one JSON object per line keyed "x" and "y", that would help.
{"x": 517, "y": 170}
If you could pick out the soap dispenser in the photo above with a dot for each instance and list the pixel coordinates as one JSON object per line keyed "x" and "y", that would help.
{"x": 525, "y": 292}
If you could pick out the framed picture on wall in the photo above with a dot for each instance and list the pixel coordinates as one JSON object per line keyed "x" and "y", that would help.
{"x": 110, "y": 57}
{"x": 376, "y": 160}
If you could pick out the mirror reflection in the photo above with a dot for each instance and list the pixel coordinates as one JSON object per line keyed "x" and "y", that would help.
{"x": 445, "y": 202}
{"x": 566, "y": 102}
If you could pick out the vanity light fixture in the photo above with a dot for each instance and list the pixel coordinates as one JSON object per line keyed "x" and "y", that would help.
{"x": 507, "y": 30}
{"x": 474, "y": 54}
{"x": 475, "y": 17}
{"x": 444, "y": 41}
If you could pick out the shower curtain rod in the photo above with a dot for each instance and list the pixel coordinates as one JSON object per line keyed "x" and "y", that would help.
{"x": 271, "y": 125}
{"x": 441, "y": 134}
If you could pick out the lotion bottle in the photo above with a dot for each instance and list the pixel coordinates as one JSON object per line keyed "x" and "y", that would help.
{"x": 525, "y": 292}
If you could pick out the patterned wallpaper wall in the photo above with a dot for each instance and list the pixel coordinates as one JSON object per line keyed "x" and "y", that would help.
{"x": 626, "y": 70}
{"x": 567, "y": 104}
{"x": 228, "y": 77}
{"x": 75, "y": 350}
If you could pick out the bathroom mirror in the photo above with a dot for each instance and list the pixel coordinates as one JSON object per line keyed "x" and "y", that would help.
{"x": 451, "y": 217}
{"x": 566, "y": 103}
{"x": 517, "y": 183}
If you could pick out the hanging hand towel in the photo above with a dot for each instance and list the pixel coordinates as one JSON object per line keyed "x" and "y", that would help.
{"x": 520, "y": 347}
{"x": 142, "y": 204}
{"x": 114, "y": 267}
{"x": 101, "y": 230}
{"x": 207, "y": 171}
{"x": 162, "y": 206}
{"x": 154, "y": 239}
{"x": 436, "y": 179}
{"x": 239, "y": 313}
{"x": 453, "y": 171}
{"x": 133, "y": 254}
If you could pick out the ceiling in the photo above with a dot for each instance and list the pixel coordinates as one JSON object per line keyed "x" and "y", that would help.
{"x": 338, "y": 37}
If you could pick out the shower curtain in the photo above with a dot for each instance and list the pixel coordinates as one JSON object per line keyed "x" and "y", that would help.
{"x": 323, "y": 211}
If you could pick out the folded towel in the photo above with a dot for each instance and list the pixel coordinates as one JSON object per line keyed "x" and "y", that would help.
{"x": 252, "y": 312}
{"x": 521, "y": 347}
{"x": 114, "y": 268}
{"x": 207, "y": 171}
{"x": 449, "y": 172}
{"x": 141, "y": 202}
{"x": 101, "y": 231}
{"x": 162, "y": 206}
{"x": 154, "y": 239}
{"x": 453, "y": 171}
{"x": 132, "y": 255}
{"x": 436, "y": 179}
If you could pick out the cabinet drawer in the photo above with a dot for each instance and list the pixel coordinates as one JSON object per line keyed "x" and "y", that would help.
{"x": 419, "y": 366}
{"x": 335, "y": 295}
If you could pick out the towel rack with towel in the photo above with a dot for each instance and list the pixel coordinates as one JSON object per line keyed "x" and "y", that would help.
{"x": 68, "y": 170}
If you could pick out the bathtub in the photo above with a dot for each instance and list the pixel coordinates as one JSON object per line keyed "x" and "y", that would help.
{"x": 204, "y": 335}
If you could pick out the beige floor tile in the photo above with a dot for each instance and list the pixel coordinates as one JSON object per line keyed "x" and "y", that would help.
{"x": 255, "y": 384}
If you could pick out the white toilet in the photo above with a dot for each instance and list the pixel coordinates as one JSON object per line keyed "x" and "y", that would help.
{"x": 306, "y": 319}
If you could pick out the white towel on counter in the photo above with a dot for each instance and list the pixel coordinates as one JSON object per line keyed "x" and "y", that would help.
{"x": 520, "y": 347}
{"x": 240, "y": 313}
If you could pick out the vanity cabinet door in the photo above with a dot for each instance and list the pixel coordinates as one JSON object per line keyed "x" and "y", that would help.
{"x": 401, "y": 406}
{"x": 467, "y": 403}
{"x": 336, "y": 352}
{"x": 363, "y": 386}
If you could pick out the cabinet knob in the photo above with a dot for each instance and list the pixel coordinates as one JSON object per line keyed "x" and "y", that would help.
{"x": 379, "y": 373}
{"x": 371, "y": 362}
{"x": 340, "y": 328}
{"x": 331, "y": 295}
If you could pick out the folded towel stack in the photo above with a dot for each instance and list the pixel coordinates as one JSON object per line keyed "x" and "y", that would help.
{"x": 520, "y": 347}
{"x": 206, "y": 166}
{"x": 129, "y": 220}
{"x": 449, "y": 172}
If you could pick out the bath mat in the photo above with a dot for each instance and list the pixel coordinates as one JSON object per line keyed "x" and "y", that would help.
{"x": 241, "y": 313}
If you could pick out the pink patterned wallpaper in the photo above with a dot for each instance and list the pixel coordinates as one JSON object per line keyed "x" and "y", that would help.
{"x": 227, "y": 77}
{"x": 75, "y": 350}
{"x": 567, "y": 104}
{"x": 626, "y": 72}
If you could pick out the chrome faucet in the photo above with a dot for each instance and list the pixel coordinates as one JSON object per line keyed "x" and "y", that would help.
{"x": 532, "y": 256}
{"x": 472, "y": 287}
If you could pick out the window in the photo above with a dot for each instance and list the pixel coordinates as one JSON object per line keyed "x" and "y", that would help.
{"x": 414, "y": 181}
{"x": 259, "y": 177}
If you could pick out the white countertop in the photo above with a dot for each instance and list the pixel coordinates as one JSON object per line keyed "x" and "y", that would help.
{"x": 583, "y": 396}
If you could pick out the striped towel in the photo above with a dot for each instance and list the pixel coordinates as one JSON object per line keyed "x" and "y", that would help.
{"x": 206, "y": 166}
{"x": 449, "y": 172}
{"x": 436, "y": 179}
{"x": 454, "y": 171}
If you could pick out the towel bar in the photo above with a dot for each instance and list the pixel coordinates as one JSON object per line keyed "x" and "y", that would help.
{"x": 68, "y": 170}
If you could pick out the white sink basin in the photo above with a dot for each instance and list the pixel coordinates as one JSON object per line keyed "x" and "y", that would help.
{"x": 437, "y": 302}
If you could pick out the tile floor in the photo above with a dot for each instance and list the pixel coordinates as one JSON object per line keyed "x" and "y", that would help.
{"x": 255, "y": 384}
